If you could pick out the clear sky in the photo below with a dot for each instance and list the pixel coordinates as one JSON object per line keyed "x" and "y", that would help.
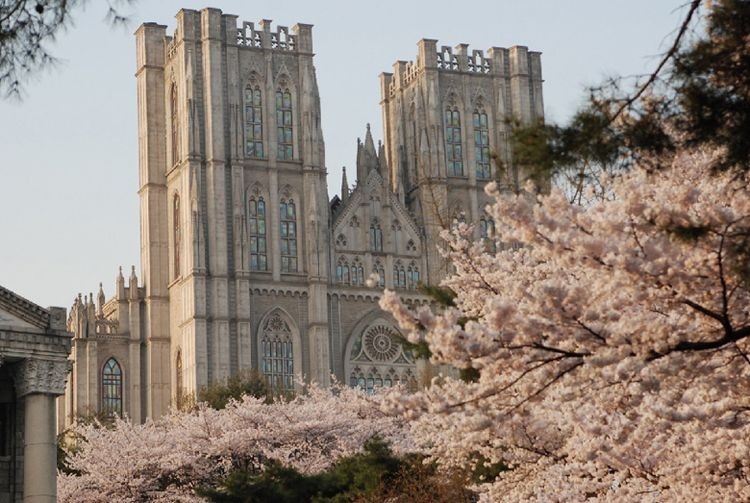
{"x": 68, "y": 151}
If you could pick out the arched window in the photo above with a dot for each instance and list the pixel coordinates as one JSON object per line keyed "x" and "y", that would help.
{"x": 253, "y": 122}
{"x": 412, "y": 275}
{"x": 358, "y": 273}
{"x": 112, "y": 388}
{"x": 378, "y": 269}
{"x": 179, "y": 384}
{"x": 277, "y": 353}
{"x": 376, "y": 359}
{"x": 376, "y": 237}
{"x": 176, "y": 234}
{"x": 453, "y": 153}
{"x": 342, "y": 271}
{"x": 174, "y": 123}
{"x": 284, "y": 124}
{"x": 482, "y": 145}
{"x": 257, "y": 227}
{"x": 288, "y": 222}
{"x": 399, "y": 275}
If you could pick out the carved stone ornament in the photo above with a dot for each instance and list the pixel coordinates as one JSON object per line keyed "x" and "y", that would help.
{"x": 41, "y": 376}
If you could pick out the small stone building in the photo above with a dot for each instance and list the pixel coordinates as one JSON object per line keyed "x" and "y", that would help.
{"x": 34, "y": 348}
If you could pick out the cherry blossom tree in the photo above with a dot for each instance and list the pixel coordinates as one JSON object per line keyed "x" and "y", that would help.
{"x": 610, "y": 342}
{"x": 169, "y": 459}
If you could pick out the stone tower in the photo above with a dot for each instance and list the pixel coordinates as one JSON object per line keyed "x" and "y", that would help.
{"x": 443, "y": 115}
{"x": 229, "y": 116}
{"x": 245, "y": 263}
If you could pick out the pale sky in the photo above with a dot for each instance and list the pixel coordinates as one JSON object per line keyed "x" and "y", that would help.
{"x": 69, "y": 168}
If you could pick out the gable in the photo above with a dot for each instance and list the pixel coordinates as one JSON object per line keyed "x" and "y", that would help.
{"x": 17, "y": 311}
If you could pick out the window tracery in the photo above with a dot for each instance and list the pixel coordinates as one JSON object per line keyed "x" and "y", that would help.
{"x": 112, "y": 388}
{"x": 284, "y": 137}
{"x": 277, "y": 353}
{"x": 453, "y": 151}
{"x": 257, "y": 232}
{"x": 399, "y": 275}
{"x": 253, "y": 122}
{"x": 412, "y": 276}
{"x": 482, "y": 145}
{"x": 378, "y": 360}
{"x": 378, "y": 269}
{"x": 288, "y": 223}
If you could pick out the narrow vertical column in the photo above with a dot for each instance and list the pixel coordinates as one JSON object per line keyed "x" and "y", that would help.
{"x": 38, "y": 382}
{"x": 216, "y": 154}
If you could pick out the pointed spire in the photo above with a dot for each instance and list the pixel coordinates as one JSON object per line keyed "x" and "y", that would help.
{"x": 369, "y": 144}
{"x": 120, "y": 285}
{"x": 100, "y": 301}
{"x": 133, "y": 284}
{"x": 344, "y": 185}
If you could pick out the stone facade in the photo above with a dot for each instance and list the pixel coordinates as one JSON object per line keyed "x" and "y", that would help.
{"x": 245, "y": 261}
{"x": 34, "y": 366}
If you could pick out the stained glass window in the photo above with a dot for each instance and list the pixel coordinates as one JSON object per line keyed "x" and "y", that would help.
{"x": 277, "y": 354}
{"x": 412, "y": 275}
{"x": 288, "y": 222}
{"x": 112, "y": 388}
{"x": 377, "y": 359}
{"x": 284, "y": 140}
{"x": 257, "y": 232}
{"x": 453, "y": 152}
{"x": 177, "y": 234}
{"x": 399, "y": 276}
{"x": 482, "y": 145}
{"x": 253, "y": 122}
{"x": 380, "y": 271}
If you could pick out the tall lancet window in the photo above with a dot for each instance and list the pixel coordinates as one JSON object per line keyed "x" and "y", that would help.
{"x": 481, "y": 145}
{"x": 277, "y": 354}
{"x": 376, "y": 236}
{"x": 179, "y": 384}
{"x": 174, "y": 123}
{"x": 112, "y": 388}
{"x": 453, "y": 152}
{"x": 257, "y": 228}
{"x": 288, "y": 219}
{"x": 253, "y": 122}
{"x": 176, "y": 234}
{"x": 284, "y": 141}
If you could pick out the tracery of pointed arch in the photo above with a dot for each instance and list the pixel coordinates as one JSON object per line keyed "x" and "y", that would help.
{"x": 257, "y": 219}
{"x": 451, "y": 97}
{"x": 376, "y": 358}
{"x": 341, "y": 241}
{"x": 279, "y": 350}
{"x": 479, "y": 98}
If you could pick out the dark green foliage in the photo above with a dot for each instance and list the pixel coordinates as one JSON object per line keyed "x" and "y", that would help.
{"x": 376, "y": 474}
{"x": 712, "y": 82}
{"x": 250, "y": 382}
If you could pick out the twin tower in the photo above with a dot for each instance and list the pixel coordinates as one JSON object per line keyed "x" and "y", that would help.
{"x": 245, "y": 261}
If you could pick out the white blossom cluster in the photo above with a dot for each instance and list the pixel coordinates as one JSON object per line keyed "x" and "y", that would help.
{"x": 611, "y": 341}
{"x": 168, "y": 459}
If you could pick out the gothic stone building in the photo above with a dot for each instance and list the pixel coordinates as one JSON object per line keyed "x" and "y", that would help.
{"x": 245, "y": 262}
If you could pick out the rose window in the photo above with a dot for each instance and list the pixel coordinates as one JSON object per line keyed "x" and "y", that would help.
{"x": 379, "y": 344}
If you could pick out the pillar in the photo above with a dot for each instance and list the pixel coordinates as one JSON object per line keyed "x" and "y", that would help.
{"x": 38, "y": 383}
